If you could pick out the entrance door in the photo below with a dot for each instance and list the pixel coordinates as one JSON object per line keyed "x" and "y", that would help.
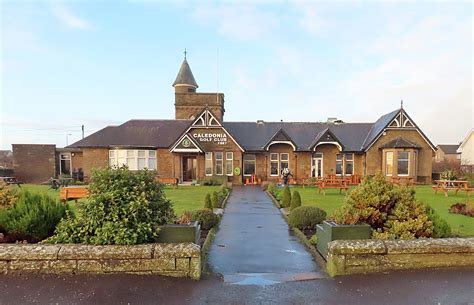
{"x": 189, "y": 168}
{"x": 317, "y": 165}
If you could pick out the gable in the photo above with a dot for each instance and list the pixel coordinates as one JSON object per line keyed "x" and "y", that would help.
{"x": 280, "y": 137}
{"x": 206, "y": 119}
{"x": 186, "y": 144}
{"x": 207, "y": 134}
{"x": 396, "y": 120}
{"x": 326, "y": 137}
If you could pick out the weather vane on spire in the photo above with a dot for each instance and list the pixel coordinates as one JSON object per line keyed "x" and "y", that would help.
{"x": 185, "y": 53}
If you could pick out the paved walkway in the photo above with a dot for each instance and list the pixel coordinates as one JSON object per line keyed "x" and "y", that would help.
{"x": 254, "y": 244}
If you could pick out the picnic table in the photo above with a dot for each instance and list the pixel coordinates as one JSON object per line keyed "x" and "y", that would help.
{"x": 332, "y": 183}
{"x": 403, "y": 180}
{"x": 11, "y": 180}
{"x": 452, "y": 185}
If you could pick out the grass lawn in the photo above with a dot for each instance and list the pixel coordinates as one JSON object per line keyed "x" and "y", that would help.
{"x": 460, "y": 224}
{"x": 184, "y": 198}
{"x": 188, "y": 198}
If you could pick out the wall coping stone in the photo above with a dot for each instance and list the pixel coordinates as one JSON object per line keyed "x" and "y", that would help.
{"x": 78, "y": 251}
{"x": 358, "y": 246}
{"x": 29, "y": 252}
{"x": 171, "y": 259}
{"x": 428, "y": 245}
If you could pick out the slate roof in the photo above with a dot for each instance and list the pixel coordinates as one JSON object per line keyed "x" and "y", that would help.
{"x": 400, "y": 142}
{"x": 185, "y": 76}
{"x": 378, "y": 127}
{"x": 137, "y": 133}
{"x": 251, "y": 136}
{"x": 449, "y": 148}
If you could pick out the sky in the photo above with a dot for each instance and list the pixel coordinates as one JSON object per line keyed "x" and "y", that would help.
{"x": 98, "y": 63}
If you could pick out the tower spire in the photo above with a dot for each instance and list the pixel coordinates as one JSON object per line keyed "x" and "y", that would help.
{"x": 401, "y": 104}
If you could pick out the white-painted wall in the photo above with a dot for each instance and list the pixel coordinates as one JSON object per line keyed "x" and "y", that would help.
{"x": 467, "y": 149}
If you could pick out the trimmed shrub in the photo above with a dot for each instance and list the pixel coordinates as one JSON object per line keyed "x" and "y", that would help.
{"x": 286, "y": 197}
{"x": 123, "y": 208}
{"x": 207, "y": 201}
{"x": 313, "y": 240}
{"x": 33, "y": 217}
{"x": 215, "y": 200}
{"x": 306, "y": 217}
{"x": 206, "y": 218}
{"x": 441, "y": 228}
{"x": 392, "y": 212}
{"x": 271, "y": 188}
{"x": 295, "y": 200}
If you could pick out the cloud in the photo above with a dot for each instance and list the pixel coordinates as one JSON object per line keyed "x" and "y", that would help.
{"x": 240, "y": 21}
{"x": 309, "y": 20}
{"x": 67, "y": 17}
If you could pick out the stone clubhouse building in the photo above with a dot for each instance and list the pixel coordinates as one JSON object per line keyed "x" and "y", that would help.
{"x": 199, "y": 144}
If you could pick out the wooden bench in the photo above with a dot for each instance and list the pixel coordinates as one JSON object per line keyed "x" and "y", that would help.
{"x": 73, "y": 193}
{"x": 332, "y": 183}
{"x": 169, "y": 181}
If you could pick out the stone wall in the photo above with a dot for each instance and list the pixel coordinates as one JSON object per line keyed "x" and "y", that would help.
{"x": 361, "y": 256}
{"x": 177, "y": 260}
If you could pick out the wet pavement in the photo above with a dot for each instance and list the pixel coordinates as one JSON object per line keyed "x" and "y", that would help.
{"x": 255, "y": 246}
{"x": 420, "y": 287}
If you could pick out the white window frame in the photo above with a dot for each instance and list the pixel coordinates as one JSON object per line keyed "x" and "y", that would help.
{"x": 386, "y": 163}
{"x": 277, "y": 161}
{"x": 348, "y": 161}
{"x": 254, "y": 161}
{"x": 284, "y": 161}
{"x": 408, "y": 164}
{"x": 342, "y": 164}
{"x": 314, "y": 160}
{"x": 219, "y": 160}
{"x": 131, "y": 155}
{"x": 229, "y": 156}
{"x": 69, "y": 158}
{"x": 208, "y": 158}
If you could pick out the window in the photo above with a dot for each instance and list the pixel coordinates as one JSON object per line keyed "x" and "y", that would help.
{"x": 208, "y": 164}
{"x": 284, "y": 157}
{"x": 389, "y": 163}
{"x": 65, "y": 164}
{"x": 229, "y": 163}
{"x": 141, "y": 159}
{"x": 219, "y": 163}
{"x": 134, "y": 159}
{"x": 339, "y": 164}
{"x": 349, "y": 164}
{"x": 249, "y": 164}
{"x": 152, "y": 159}
{"x": 131, "y": 160}
{"x": 402, "y": 163}
{"x": 274, "y": 170}
{"x": 317, "y": 165}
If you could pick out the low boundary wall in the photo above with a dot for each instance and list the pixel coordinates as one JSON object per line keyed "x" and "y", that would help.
{"x": 361, "y": 256}
{"x": 177, "y": 259}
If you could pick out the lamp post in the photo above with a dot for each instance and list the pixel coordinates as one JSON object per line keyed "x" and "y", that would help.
{"x": 67, "y": 138}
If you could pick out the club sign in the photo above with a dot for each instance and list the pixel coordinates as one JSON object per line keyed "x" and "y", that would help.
{"x": 219, "y": 138}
